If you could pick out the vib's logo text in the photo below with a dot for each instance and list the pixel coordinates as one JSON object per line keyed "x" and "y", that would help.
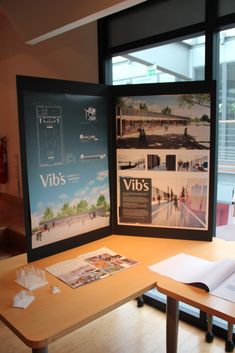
{"x": 52, "y": 179}
{"x": 135, "y": 184}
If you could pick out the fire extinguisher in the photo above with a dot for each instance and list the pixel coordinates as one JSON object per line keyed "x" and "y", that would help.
{"x": 3, "y": 160}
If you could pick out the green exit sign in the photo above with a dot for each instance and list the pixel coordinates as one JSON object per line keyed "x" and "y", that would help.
{"x": 151, "y": 71}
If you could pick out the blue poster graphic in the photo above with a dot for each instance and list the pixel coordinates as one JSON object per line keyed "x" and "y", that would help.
{"x": 67, "y": 165}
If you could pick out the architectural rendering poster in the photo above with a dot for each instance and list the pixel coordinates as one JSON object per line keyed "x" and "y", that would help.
{"x": 67, "y": 165}
{"x": 163, "y": 153}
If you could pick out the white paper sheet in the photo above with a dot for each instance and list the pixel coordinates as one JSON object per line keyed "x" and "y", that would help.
{"x": 218, "y": 277}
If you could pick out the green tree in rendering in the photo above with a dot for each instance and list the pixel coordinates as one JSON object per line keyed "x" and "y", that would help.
{"x": 189, "y": 100}
{"x": 93, "y": 207}
{"x": 66, "y": 210}
{"x": 106, "y": 207}
{"x": 143, "y": 106}
{"x": 48, "y": 214}
{"x": 205, "y": 118}
{"x": 82, "y": 206}
{"x": 100, "y": 201}
{"x": 166, "y": 110}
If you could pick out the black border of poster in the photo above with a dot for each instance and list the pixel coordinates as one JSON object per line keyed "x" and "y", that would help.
{"x": 46, "y": 85}
{"x": 170, "y": 89}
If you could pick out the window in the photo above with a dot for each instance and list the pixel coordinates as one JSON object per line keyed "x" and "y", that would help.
{"x": 226, "y": 135}
{"x": 157, "y": 64}
{"x": 227, "y": 102}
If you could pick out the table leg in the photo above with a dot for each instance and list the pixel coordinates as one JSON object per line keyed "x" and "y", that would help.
{"x": 172, "y": 321}
{"x": 229, "y": 345}
{"x": 209, "y": 335}
{"x": 140, "y": 301}
{"x": 40, "y": 350}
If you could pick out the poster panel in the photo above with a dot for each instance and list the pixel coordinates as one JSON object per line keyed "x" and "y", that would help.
{"x": 66, "y": 166}
{"x": 164, "y": 160}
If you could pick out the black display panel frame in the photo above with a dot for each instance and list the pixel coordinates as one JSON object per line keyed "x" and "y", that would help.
{"x": 130, "y": 93}
{"x": 30, "y": 91}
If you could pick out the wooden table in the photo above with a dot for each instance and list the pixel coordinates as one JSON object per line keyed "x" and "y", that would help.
{"x": 52, "y": 316}
{"x": 198, "y": 298}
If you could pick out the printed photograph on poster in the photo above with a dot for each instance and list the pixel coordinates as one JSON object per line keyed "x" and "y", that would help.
{"x": 198, "y": 161}
{"x": 162, "y": 160}
{"x": 128, "y": 159}
{"x": 67, "y": 165}
{"x": 164, "y": 121}
{"x": 172, "y": 202}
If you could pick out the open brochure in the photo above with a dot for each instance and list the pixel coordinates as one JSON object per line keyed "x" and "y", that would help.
{"x": 217, "y": 277}
{"x": 89, "y": 267}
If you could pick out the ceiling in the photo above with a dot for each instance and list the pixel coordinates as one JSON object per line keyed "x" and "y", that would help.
{"x": 36, "y": 21}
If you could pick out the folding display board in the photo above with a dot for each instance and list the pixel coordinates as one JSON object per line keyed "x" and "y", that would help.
{"x": 135, "y": 160}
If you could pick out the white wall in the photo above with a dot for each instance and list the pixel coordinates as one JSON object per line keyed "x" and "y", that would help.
{"x": 71, "y": 56}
